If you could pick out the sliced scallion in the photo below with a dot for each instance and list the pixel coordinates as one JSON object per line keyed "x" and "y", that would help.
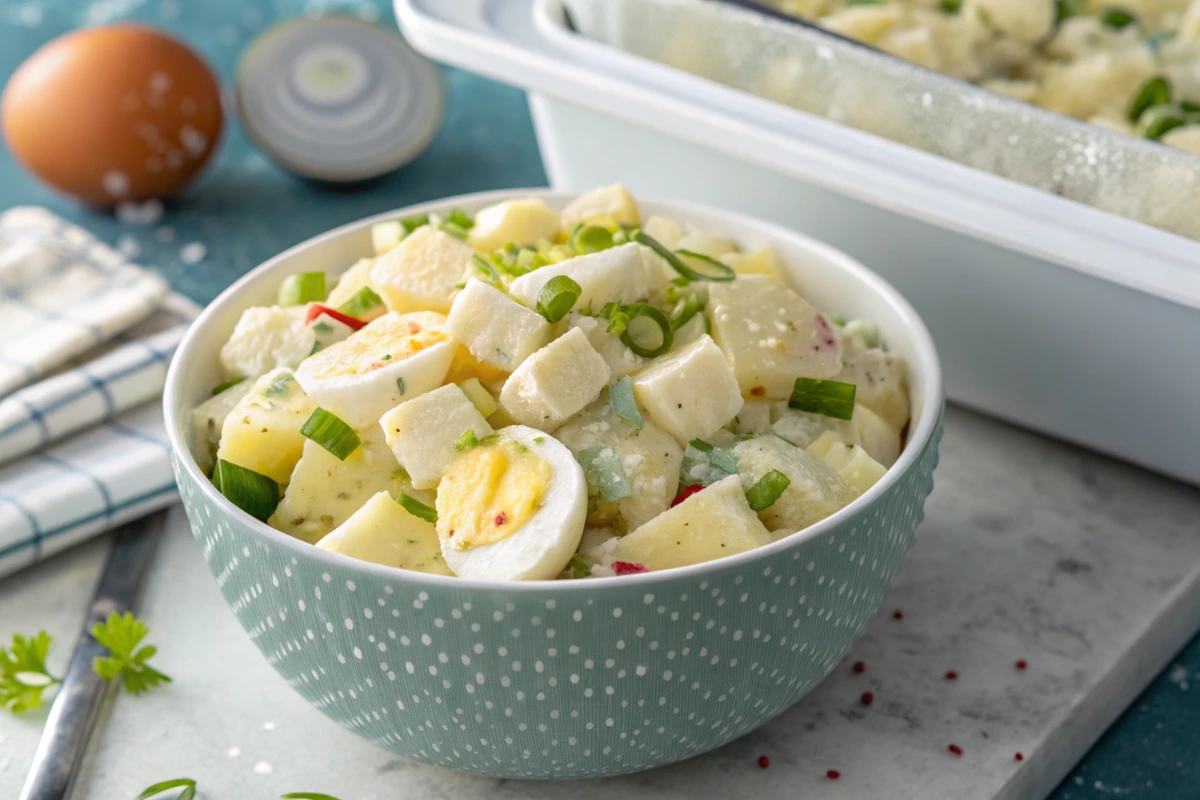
{"x": 830, "y": 398}
{"x": 1159, "y": 120}
{"x": 705, "y": 464}
{"x": 1154, "y": 92}
{"x": 253, "y": 493}
{"x": 620, "y": 399}
{"x": 604, "y": 474}
{"x": 578, "y": 567}
{"x": 720, "y": 272}
{"x": 644, "y": 348}
{"x": 766, "y": 490}
{"x": 305, "y": 287}
{"x": 329, "y": 431}
{"x": 1116, "y": 17}
{"x": 223, "y": 385}
{"x": 686, "y": 308}
{"x": 590, "y": 239}
{"x": 468, "y": 440}
{"x": 400, "y": 387}
{"x": 557, "y": 297}
{"x": 361, "y": 303}
{"x": 486, "y": 266}
{"x": 951, "y": 6}
{"x": 460, "y": 218}
{"x": 418, "y": 509}
{"x": 412, "y": 223}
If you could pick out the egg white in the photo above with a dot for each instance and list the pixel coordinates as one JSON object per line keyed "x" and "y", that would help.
{"x": 541, "y": 548}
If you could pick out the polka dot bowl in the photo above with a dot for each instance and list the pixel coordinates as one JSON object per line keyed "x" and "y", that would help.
{"x": 564, "y": 679}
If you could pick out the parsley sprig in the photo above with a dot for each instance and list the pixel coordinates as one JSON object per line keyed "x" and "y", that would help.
{"x": 23, "y": 673}
{"x": 187, "y": 784}
{"x": 121, "y": 634}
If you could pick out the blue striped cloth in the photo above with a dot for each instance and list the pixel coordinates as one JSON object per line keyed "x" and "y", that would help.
{"x": 82, "y": 444}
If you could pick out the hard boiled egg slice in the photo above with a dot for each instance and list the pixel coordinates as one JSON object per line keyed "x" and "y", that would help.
{"x": 511, "y": 508}
{"x": 395, "y": 358}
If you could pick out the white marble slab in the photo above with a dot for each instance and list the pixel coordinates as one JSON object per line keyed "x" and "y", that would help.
{"x": 1086, "y": 568}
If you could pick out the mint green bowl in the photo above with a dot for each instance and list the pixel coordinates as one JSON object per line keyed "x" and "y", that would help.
{"x": 564, "y": 679}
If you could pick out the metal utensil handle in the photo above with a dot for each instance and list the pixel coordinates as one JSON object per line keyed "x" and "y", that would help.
{"x": 69, "y": 724}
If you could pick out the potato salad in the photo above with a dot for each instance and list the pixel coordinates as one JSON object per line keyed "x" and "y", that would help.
{"x": 1132, "y": 66}
{"x": 529, "y": 394}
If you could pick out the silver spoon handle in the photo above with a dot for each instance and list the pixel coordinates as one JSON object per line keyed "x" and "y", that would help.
{"x": 69, "y": 724}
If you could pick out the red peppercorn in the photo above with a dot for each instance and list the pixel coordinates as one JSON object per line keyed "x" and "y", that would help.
{"x": 832, "y": 774}
{"x": 867, "y": 698}
{"x": 628, "y": 568}
{"x": 499, "y": 519}
{"x": 860, "y": 666}
{"x": 951, "y": 675}
{"x": 685, "y": 493}
{"x": 897, "y": 614}
{"x": 1019, "y": 757}
{"x": 1022, "y": 663}
{"x": 955, "y": 749}
{"x": 764, "y": 762}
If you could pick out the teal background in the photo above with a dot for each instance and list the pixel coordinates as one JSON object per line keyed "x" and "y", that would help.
{"x": 245, "y": 210}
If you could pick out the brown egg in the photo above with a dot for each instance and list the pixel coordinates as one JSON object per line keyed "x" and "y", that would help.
{"x": 114, "y": 113}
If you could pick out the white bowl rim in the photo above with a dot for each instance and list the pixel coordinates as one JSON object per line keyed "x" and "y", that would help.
{"x": 919, "y": 437}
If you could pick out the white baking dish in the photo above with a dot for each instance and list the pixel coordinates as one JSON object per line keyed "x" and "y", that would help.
{"x": 1046, "y": 312}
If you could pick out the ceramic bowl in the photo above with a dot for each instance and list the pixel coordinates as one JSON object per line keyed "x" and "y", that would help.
{"x": 564, "y": 679}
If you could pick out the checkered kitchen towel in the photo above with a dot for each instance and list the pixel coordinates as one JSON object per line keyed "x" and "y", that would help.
{"x": 85, "y": 338}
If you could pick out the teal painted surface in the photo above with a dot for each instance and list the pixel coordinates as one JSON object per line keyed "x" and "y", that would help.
{"x": 246, "y": 210}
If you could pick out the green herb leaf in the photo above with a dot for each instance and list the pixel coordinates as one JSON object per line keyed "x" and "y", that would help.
{"x": 830, "y": 398}
{"x": 361, "y": 303}
{"x": 418, "y": 509}
{"x": 329, "y": 431}
{"x": 646, "y": 348}
{"x": 620, "y": 399}
{"x": 1154, "y": 92}
{"x": 1116, "y": 17}
{"x": 187, "y": 784}
{"x": 558, "y": 297}
{"x": 604, "y": 473}
{"x": 23, "y": 673}
{"x": 578, "y": 567}
{"x": 279, "y": 386}
{"x": 223, "y": 385}
{"x": 590, "y": 239}
{"x": 121, "y": 634}
{"x": 400, "y": 387}
{"x": 466, "y": 441}
{"x": 253, "y": 493}
{"x": 766, "y": 490}
{"x": 720, "y": 272}
{"x": 305, "y": 287}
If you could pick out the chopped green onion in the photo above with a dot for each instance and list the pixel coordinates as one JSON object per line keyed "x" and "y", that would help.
{"x": 951, "y": 6}
{"x": 830, "y": 398}
{"x": 701, "y": 445}
{"x": 400, "y": 385}
{"x": 539, "y": 439}
{"x": 659, "y": 319}
{"x": 1154, "y": 92}
{"x": 461, "y": 285}
{"x": 460, "y": 218}
{"x": 361, "y": 303}
{"x": 590, "y": 239}
{"x": 1116, "y": 17}
{"x": 415, "y": 507}
{"x": 187, "y": 784}
{"x": 305, "y": 287}
{"x": 686, "y": 308}
{"x": 486, "y": 267}
{"x": 620, "y": 399}
{"x": 1065, "y": 9}
{"x": 864, "y": 2}
{"x": 315, "y": 795}
{"x": 1189, "y": 107}
{"x": 705, "y": 464}
{"x": 578, "y": 567}
{"x": 401, "y": 474}
{"x": 468, "y": 440}
{"x": 386, "y": 357}
{"x": 722, "y": 271}
{"x": 223, "y": 385}
{"x": 837, "y": 319}
{"x": 329, "y": 431}
{"x": 558, "y": 297}
{"x": 253, "y": 493}
{"x": 412, "y": 223}
{"x": 766, "y": 490}
{"x": 604, "y": 473}
{"x": 454, "y": 230}
{"x": 1158, "y": 120}
{"x": 279, "y": 386}
{"x": 1156, "y": 40}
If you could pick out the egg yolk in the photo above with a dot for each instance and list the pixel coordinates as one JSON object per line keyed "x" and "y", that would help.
{"x": 488, "y": 493}
{"x": 387, "y": 343}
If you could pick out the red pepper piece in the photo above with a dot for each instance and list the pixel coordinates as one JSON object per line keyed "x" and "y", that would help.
{"x": 628, "y": 568}
{"x": 685, "y": 493}
{"x": 316, "y": 309}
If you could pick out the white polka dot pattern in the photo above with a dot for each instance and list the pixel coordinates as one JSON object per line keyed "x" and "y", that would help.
{"x": 605, "y": 680}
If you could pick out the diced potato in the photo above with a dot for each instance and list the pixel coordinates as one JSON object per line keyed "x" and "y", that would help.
{"x": 497, "y": 330}
{"x": 860, "y": 333}
{"x": 208, "y": 419}
{"x": 866, "y": 428}
{"x": 763, "y": 261}
{"x": 262, "y": 432}
{"x": 821, "y": 445}
{"x": 423, "y": 432}
{"x": 650, "y": 457}
{"x": 480, "y": 397}
{"x": 386, "y": 235}
{"x": 1025, "y": 20}
{"x": 690, "y": 393}
{"x": 618, "y": 273}
{"x": 850, "y": 461}
{"x": 771, "y": 335}
{"x": 713, "y": 523}
{"x": 350, "y": 282}
{"x": 755, "y": 417}
{"x": 324, "y": 491}
{"x": 422, "y": 272}
{"x": 620, "y": 359}
{"x": 707, "y": 244}
{"x": 522, "y": 222}
{"x": 815, "y": 491}
{"x": 664, "y": 231}
{"x": 555, "y": 382}
{"x": 882, "y": 381}
{"x": 613, "y": 201}
{"x": 267, "y": 338}
{"x": 595, "y": 537}
{"x": 382, "y": 532}
{"x": 691, "y": 331}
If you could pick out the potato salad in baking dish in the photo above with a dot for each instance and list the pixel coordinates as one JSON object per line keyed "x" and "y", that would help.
{"x": 1128, "y": 65}
{"x": 528, "y": 394}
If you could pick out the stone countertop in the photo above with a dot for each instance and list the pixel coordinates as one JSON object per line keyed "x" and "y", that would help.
{"x": 245, "y": 210}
